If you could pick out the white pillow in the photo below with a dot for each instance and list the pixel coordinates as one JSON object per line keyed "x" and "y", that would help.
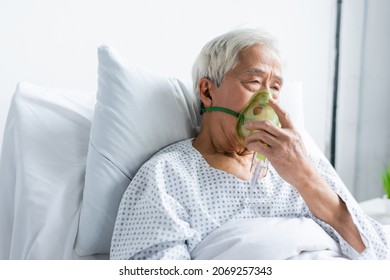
{"x": 137, "y": 113}
{"x": 42, "y": 171}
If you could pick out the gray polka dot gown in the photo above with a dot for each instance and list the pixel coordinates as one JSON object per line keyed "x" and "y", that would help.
{"x": 176, "y": 199}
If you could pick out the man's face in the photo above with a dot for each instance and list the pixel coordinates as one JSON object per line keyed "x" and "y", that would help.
{"x": 259, "y": 68}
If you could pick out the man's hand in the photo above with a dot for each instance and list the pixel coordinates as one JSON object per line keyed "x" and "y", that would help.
{"x": 283, "y": 146}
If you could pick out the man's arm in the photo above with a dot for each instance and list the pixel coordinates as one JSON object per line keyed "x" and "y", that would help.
{"x": 287, "y": 153}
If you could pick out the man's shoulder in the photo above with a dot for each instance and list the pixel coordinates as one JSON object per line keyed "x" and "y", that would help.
{"x": 176, "y": 152}
{"x": 174, "y": 159}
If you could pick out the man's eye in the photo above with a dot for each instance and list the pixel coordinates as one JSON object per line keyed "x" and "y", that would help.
{"x": 254, "y": 85}
{"x": 275, "y": 92}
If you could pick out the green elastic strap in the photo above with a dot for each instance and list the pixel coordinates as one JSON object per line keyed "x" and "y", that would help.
{"x": 224, "y": 110}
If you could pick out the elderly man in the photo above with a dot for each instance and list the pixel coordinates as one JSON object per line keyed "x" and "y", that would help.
{"x": 195, "y": 188}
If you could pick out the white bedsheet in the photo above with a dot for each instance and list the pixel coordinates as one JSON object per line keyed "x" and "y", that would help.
{"x": 268, "y": 238}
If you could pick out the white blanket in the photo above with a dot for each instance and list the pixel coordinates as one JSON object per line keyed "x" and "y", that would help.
{"x": 268, "y": 238}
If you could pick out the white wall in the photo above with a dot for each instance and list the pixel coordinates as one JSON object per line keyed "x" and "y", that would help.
{"x": 53, "y": 43}
{"x": 363, "y": 129}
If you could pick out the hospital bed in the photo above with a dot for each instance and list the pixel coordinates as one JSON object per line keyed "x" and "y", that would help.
{"x": 68, "y": 155}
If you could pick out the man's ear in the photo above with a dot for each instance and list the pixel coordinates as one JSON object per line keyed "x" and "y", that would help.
{"x": 205, "y": 86}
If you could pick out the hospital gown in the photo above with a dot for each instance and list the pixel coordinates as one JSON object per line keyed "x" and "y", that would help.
{"x": 176, "y": 199}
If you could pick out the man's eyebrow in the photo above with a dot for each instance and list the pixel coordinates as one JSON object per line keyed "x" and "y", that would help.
{"x": 259, "y": 72}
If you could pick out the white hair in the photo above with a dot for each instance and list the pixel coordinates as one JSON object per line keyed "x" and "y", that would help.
{"x": 221, "y": 54}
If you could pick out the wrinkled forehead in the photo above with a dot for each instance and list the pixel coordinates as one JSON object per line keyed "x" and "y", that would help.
{"x": 259, "y": 59}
